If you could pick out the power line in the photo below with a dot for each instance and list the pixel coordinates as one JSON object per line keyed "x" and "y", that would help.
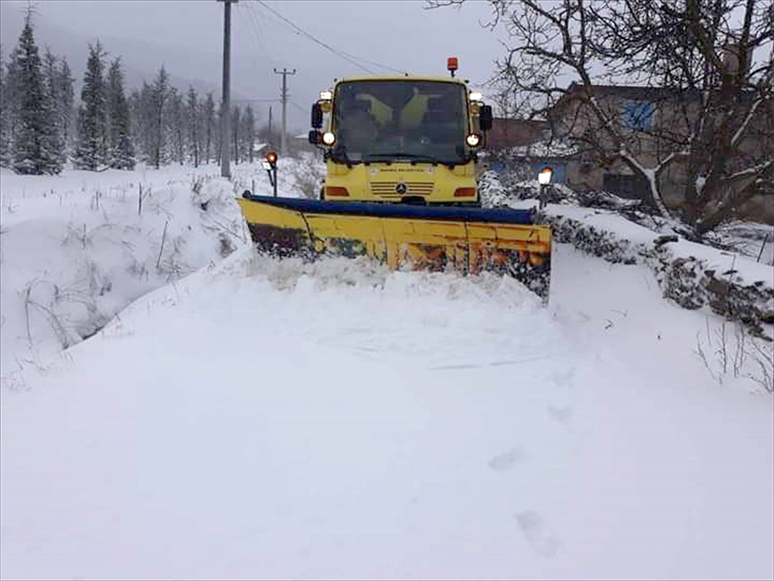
{"x": 258, "y": 32}
{"x": 313, "y": 38}
{"x": 297, "y": 106}
{"x": 273, "y": 20}
{"x": 374, "y": 63}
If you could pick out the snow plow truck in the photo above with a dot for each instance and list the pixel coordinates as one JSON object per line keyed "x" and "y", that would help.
{"x": 402, "y": 185}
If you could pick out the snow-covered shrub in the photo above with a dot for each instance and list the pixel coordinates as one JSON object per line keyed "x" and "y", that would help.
{"x": 68, "y": 269}
{"x": 308, "y": 176}
{"x": 728, "y": 351}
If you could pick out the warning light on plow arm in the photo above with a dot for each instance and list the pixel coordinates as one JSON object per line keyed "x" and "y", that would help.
{"x": 271, "y": 157}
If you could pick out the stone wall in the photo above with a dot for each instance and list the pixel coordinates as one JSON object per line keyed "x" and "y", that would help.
{"x": 688, "y": 282}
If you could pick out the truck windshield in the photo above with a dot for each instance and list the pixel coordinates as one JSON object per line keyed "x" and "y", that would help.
{"x": 421, "y": 121}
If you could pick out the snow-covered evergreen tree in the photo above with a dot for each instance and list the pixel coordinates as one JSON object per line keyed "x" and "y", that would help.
{"x": 194, "y": 114}
{"x": 160, "y": 93}
{"x": 55, "y": 89}
{"x": 65, "y": 107}
{"x": 5, "y": 116}
{"x": 91, "y": 151}
{"x": 120, "y": 149}
{"x": 10, "y": 110}
{"x": 248, "y": 133}
{"x": 176, "y": 121}
{"x": 35, "y": 146}
{"x": 208, "y": 121}
{"x": 142, "y": 122}
{"x": 236, "y": 129}
{"x": 218, "y": 146}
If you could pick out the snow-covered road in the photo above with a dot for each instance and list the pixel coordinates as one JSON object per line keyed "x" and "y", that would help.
{"x": 262, "y": 419}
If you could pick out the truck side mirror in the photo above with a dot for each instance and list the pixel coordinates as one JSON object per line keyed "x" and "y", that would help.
{"x": 485, "y": 118}
{"x": 315, "y": 137}
{"x": 317, "y": 116}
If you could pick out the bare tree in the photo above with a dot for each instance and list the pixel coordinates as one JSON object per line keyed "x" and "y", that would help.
{"x": 710, "y": 60}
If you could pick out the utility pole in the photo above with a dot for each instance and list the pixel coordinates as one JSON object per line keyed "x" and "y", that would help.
{"x": 225, "y": 118}
{"x": 284, "y": 97}
{"x": 270, "y": 134}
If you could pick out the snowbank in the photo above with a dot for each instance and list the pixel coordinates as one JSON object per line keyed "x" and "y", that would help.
{"x": 691, "y": 274}
{"x": 79, "y": 247}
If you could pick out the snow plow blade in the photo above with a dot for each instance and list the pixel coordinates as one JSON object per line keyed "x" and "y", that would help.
{"x": 435, "y": 238}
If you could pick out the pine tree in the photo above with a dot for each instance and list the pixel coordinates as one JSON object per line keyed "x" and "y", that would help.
{"x": 10, "y": 110}
{"x": 209, "y": 126}
{"x": 176, "y": 119}
{"x": 91, "y": 151}
{"x": 66, "y": 105}
{"x": 35, "y": 147}
{"x": 193, "y": 112}
{"x": 54, "y": 88}
{"x": 160, "y": 93}
{"x": 235, "y": 132}
{"x": 141, "y": 103}
{"x": 120, "y": 149}
{"x": 248, "y": 133}
{"x": 5, "y": 117}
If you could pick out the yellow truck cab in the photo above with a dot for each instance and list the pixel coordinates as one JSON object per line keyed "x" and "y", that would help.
{"x": 401, "y": 139}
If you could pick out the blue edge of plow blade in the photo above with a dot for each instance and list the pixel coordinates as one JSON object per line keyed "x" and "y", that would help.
{"x": 387, "y": 210}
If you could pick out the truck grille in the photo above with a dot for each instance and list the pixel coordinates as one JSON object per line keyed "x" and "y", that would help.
{"x": 414, "y": 188}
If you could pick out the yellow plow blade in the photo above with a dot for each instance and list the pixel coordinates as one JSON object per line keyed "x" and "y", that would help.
{"x": 466, "y": 240}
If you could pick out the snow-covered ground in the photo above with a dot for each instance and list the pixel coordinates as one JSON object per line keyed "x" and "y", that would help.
{"x": 265, "y": 419}
{"x": 79, "y": 247}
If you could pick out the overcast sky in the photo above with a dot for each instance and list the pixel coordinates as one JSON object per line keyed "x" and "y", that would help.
{"x": 186, "y": 36}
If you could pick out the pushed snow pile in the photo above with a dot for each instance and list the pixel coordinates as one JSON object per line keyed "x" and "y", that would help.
{"x": 387, "y": 305}
{"x": 75, "y": 252}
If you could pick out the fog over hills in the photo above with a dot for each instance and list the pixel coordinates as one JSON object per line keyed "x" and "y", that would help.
{"x": 320, "y": 40}
{"x": 141, "y": 59}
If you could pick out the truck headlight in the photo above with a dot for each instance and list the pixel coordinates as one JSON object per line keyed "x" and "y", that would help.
{"x": 328, "y": 138}
{"x": 473, "y": 140}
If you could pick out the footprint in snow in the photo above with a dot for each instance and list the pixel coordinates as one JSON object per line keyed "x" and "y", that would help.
{"x": 537, "y": 533}
{"x": 507, "y": 460}
{"x": 563, "y": 414}
{"x": 563, "y": 379}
